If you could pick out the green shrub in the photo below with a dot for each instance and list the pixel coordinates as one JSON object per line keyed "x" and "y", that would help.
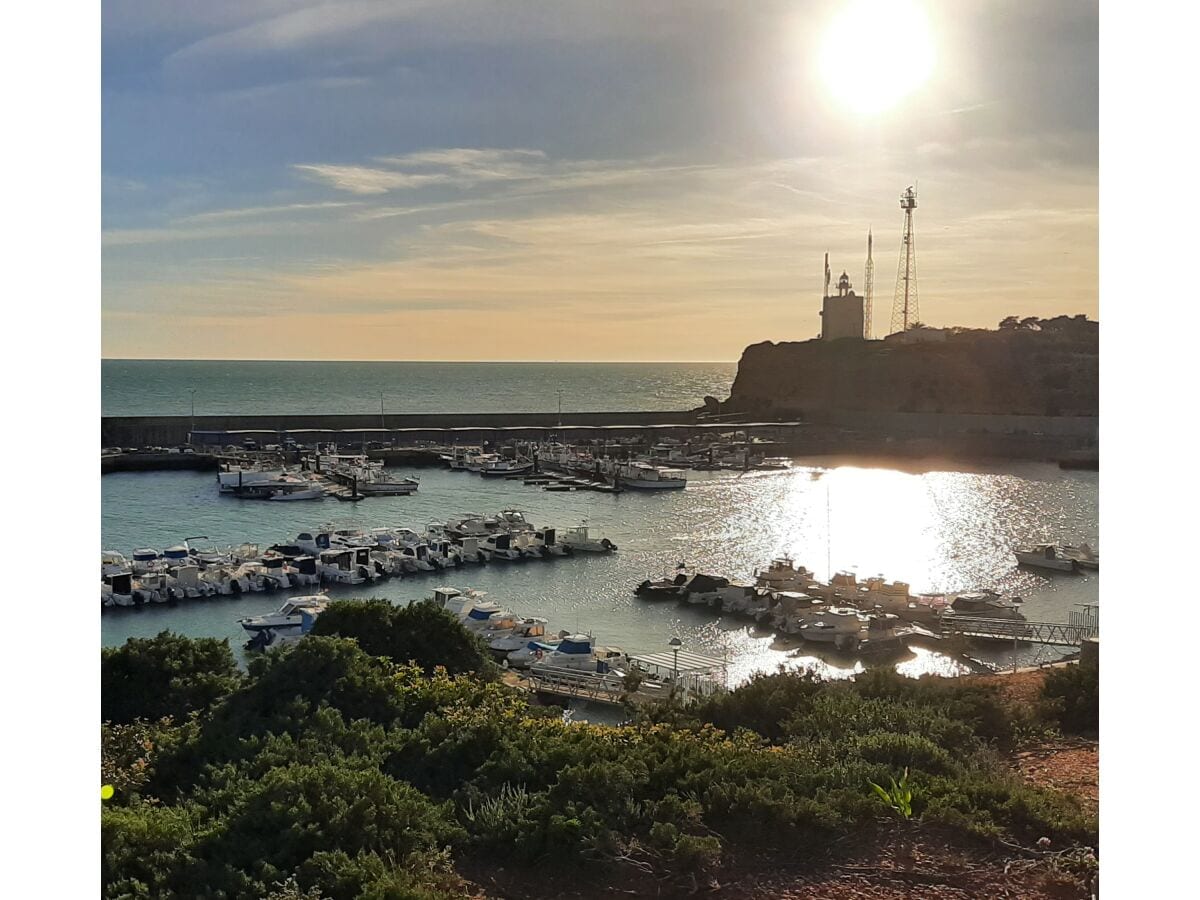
{"x": 164, "y": 676}
{"x": 1071, "y": 697}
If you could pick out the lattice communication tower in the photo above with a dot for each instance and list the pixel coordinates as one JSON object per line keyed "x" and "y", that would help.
{"x": 905, "y": 312}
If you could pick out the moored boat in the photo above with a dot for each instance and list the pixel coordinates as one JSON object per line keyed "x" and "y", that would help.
{"x": 1045, "y": 556}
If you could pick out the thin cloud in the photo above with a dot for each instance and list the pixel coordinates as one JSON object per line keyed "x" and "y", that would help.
{"x": 365, "y": 180}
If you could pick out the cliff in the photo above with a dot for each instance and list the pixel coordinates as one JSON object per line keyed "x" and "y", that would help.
{"x": 1033, "y": 367}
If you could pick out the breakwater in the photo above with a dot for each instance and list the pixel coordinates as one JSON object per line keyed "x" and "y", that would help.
{"x": 850, "y": 433}
{"x": 141, "y": 431}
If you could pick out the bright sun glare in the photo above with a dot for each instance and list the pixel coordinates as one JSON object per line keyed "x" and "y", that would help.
{"x": 875, "y": 53}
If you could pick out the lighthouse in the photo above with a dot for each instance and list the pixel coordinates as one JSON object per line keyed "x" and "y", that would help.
{"x": 841, "y": 313}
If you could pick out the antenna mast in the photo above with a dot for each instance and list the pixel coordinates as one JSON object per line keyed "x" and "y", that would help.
{"x": 905, "y": 311}
{"x": 868, "y": 289}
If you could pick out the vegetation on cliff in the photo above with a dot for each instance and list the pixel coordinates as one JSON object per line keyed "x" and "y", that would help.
{"x": 326, "y": 771}
{"x": 1041, "y": 367}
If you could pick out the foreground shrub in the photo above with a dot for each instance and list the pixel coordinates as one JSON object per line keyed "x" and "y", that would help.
{"x": 420, "y": 633}
{"x": 1071, "y": 697}
{"x": 167, "y": 675}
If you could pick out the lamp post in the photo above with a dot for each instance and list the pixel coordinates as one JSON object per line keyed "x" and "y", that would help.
{"x": 192, "y": 391}
{"x": 560, "y": 393}
{"x": 675, "y": 643}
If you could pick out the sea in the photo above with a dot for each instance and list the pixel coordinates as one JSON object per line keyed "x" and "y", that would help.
{"x": 156, "y": 387}
{"x": 939, "y": 527}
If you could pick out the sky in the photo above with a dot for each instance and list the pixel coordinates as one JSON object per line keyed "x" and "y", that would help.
{"x": 564, "y": 180}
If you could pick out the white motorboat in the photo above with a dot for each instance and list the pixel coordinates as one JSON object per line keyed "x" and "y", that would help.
{"x": 294, "y": 619}
{"x": 311, "y": 491}
{"x": 499, "y": 546}
{"x": 1045, "y": 556}
{"x": 458, "y": 603}
{"x": 985, "y": 605}
{"x": 578, "y": 538}
{"x": 578, "y": 653}
{"x": 524, "y": 657}
{"x": 146, "y": 560}
{"x": 346, "y": 565}
{"x": 245, "y": 481}
{"x": 645, "y": 477}
{"x": 481, "y": 614}
{"x": 784, "y": 575}
{"x": 524, "y": 631}
{"x": 838, "y": 626}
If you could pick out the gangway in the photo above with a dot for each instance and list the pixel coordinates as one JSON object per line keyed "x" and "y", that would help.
{"x": 1081, "y": 627}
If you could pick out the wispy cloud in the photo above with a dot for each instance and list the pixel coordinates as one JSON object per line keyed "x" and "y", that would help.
{"x": 259, "y": 211}
{"x": 366, "y": 180}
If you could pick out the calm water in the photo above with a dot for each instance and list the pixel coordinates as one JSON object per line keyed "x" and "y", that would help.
{"x": 937, "y": 530}
{"x": 163, "y": 387}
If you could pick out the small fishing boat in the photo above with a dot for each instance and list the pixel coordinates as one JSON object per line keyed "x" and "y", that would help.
{"x": 985, "y": 605}
{"x": 664, "y": 588}
{"x": 1045, "y": 556}
{"x": 1085, "y": 557}
{"x": 499, "y": 468}
{"x": 577, "y": 538}
{"x": 645, "y": 477}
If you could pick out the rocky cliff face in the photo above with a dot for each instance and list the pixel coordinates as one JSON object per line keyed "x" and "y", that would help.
{"x": 1042, "y": 368}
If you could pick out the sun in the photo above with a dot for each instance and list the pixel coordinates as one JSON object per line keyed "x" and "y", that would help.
{"x": 876, "y": 53}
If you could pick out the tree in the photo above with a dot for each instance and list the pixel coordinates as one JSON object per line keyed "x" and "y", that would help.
{"x": 167, "y": 675}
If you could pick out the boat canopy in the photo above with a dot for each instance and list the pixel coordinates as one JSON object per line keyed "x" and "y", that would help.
{"x": 576, "y": 643}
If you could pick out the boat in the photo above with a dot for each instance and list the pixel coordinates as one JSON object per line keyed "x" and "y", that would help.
{"x": 646, "y": 477}
{"x": 289, "y": 623}
{"x": 839, "y": 626}
{"x": 498, "y": 468}
{"x": 524, "y": 657}
{"x": 784, "y": 575}
{"x": 1085, "y": 557}
{"x": 526, "y": 630}
{"x": 578, "y": 653}
{"x": 664, "y": 587}
{"x": 578, "y": 538}
{"x": 241, "y": 481}
{"x": 985, "y": 605}
{"x": 458, "y": 603}
{"x": 1045, "y": 556}
{"x": 346, "y": 565}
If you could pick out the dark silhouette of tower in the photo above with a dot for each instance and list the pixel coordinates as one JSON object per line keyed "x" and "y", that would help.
{"x": 905, "y": 312}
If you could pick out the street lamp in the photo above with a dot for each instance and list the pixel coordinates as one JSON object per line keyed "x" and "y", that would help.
{"x": 193, "y": 393}
{"x": 675, "y": 643}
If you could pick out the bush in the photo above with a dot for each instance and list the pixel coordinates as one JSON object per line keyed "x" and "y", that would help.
{"x": 421, "y": 633}
{"x": 168, "y": 675}
{"x": 332, "y": 772}
{"x": 1071, "y": 697}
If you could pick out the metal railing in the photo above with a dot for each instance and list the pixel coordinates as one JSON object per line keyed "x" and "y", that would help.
{"x": 1071, "y": 634}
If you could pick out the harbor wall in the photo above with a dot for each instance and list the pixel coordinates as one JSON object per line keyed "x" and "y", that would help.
{"x": 144, "y": 431}
{"x": 934, "y": 424}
